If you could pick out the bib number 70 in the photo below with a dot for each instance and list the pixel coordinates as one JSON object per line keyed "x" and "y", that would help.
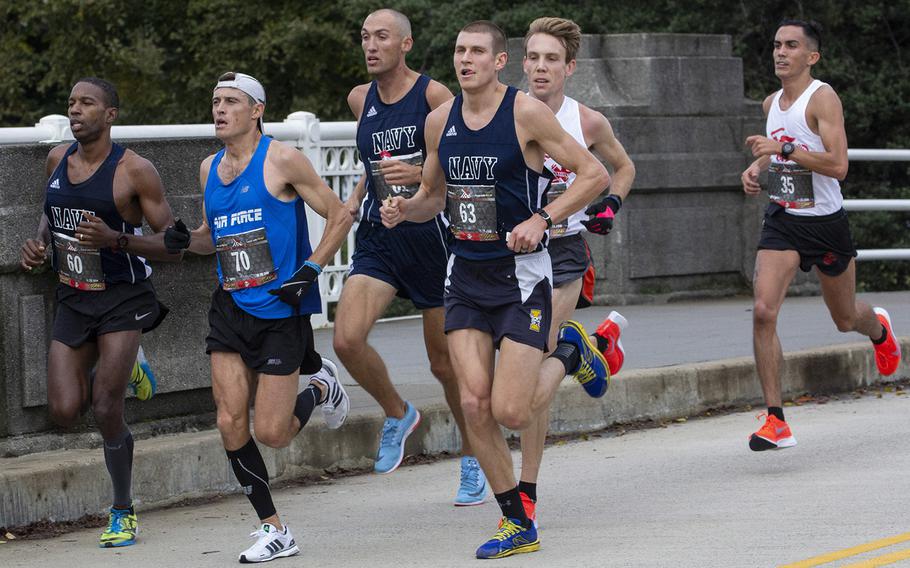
{"x": 466, "y": 210}
{"x": 242, "y": 259}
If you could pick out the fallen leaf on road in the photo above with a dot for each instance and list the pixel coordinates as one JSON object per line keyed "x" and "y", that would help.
{"x": 10, "y": 536}
{"x": 681, "y": 420}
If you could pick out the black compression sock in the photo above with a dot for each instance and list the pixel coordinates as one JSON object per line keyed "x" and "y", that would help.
{"x": 883, "y": 338}
{"x": 118, "y": 456}
{"x": 529, "y": 489}
{"x": 250, "y": 471}
{"x": 511, "y": 506}
{"x": 306, "y": 402}
{"x": 777, "y": 412}
{"x": 567, "y": 354}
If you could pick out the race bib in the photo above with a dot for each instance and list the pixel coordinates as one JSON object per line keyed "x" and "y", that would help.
{"x": 78, "y": 266}
{"x": 245, "y": 259}
{"x": 472, "y": 212}
{"x": 557, "y": 188}
{"x": 790, "y": 185}
{"x": 382, "y": 187}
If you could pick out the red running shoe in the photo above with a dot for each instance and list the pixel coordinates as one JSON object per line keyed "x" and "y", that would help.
{"x": 611, "y": 329}
{"x": 888, "y": 352}
{"x": 774, "y": 435}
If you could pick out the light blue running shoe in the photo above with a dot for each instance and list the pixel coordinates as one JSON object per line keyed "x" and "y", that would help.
{"x": 391, "y": 444}
{"x": 473, "y": 488}
{"x": 592, "y": 372}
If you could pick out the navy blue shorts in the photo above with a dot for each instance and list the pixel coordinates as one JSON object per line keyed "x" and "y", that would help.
{"x": 505, "y": 297}
{"x": 411, "y": 257}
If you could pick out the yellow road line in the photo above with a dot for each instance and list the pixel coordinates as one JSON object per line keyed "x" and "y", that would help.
{"x": 883, "y": 560}
{"x": 853, "y": 551}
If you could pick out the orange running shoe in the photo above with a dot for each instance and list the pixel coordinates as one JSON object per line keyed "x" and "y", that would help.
{"x": 610, "y": 329}
{"x": 888, "y": 352}
{"x": 530, "y": 507}
{"x": 774, "y": 435}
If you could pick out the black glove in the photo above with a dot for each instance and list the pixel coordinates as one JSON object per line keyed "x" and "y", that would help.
{"x": 295, "y": 287}
{"x": 177, "y": 237}
{"x": 602, "y": 214}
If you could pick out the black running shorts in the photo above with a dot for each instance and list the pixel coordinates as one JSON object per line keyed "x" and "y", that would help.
{"x": 270, "y": 346}
{"x": 82, "y": 316}
{"x": 823, "y": 241}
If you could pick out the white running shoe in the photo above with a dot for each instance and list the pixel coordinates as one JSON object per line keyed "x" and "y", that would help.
{"x": 270, "y": 544}
{"x": 337, "y": 404}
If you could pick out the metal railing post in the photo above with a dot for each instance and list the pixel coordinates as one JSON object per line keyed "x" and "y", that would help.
{"x": 307, "y": 142}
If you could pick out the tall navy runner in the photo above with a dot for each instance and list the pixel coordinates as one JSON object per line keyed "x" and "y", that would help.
{"x": 260, "y": 240}
{"x": 391, "y": 131}
{"x": 83, "y": 267}
{"x": 489, "y": 187}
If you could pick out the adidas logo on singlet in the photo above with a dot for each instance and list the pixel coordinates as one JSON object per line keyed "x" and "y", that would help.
{"x": 372, "y": 111}
{"x": 451, "y": 131}
{"x": 55, "y": 184}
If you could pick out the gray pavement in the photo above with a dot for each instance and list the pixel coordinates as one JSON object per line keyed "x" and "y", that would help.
{"x": 691, "y": 494}
{"x": 658, "y": 335}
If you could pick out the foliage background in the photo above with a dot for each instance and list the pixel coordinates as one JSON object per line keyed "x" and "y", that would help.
{"x": 164, "y": 57}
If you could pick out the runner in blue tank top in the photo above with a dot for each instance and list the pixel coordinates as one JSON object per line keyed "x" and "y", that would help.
{"x": 408, "y": 261}
{"x": 255, "y": 195}
{"x": 484, "y": 164}
{"x": 97, "y": 195}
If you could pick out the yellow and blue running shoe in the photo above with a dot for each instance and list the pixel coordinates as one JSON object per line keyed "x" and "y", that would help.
{"x": 511, "y": 538}
{"x": 142, "y": 379}
{"x": 122, "y": 528}
{"x": 592, "y": 372}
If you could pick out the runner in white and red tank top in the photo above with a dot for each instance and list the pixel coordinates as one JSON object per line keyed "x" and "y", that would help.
{"x": 805, "y": 225}
{"x": 551, "y": 45}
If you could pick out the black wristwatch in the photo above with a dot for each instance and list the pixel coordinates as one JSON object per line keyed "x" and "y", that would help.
{"x": 122, "y": 242}
{"x": 787, "y": 148}
{"x": 546, "y": 217}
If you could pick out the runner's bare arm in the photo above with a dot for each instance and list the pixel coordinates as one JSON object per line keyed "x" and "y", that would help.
{"x": 201, "y": 237}
{"x": 155, "y": 210}
{"x": 299, "y": 173}
{"x": 539, "y": 124}
{"x": 750, "y": 175}
{"x": 32, "y": 253}
{"x": 599, "y": 134}
{"x": 430, "y": 199}
{"x": 356, "y": 98}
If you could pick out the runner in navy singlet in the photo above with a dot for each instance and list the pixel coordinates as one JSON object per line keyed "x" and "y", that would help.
{"x": 98, "y": 195}
{"x": 485, "y": 168}
{"x": 408, "y": 261}
{"x": 256, "y": 191}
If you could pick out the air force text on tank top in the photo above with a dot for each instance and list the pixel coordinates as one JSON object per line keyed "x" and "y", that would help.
{"x": 83, "y": 267}
{"x": 799, "y": 190}
{"x": 260, "y": 240}
{"x": 391, "y": 131}
{"x": 569, "y": 117}
{"x": 489, "y": 187}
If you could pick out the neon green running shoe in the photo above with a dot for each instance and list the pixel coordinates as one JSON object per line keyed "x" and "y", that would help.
{"x": 122, "y": 528}
{"x": 142, "y": 379}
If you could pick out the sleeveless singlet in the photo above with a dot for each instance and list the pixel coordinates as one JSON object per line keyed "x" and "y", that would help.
{"x": 799, "y": 190}
{"x": 81, "y": 267}
{"x": 260, "y": 241}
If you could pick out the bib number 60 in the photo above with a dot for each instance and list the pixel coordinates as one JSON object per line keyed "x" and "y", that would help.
{"x": 74, "y": 263}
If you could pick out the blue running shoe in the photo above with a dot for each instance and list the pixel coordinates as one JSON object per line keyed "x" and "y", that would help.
{"x": 593, "y": 372}
{"x": 511, "y": 538}
{"x": 391, "y": 444}
{"x": 473, "y": 488}
{"x": 142, "y": 379}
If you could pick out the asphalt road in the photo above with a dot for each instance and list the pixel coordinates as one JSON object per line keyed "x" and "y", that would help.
{"x": 690, "y": 494}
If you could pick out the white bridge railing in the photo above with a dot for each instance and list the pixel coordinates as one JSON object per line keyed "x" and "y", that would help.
{"x": 330, "y": 146}
{"x": 869, "y": 155}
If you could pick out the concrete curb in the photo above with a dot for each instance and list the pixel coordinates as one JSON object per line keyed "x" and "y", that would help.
{"x": 67, "y": 484}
